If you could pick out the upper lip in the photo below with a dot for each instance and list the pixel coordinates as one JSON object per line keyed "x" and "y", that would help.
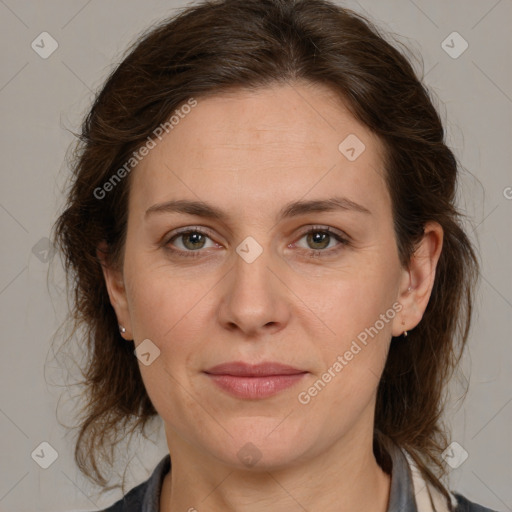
{"x": 241, "y": 369}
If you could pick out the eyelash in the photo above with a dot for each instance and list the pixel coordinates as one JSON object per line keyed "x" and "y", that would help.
{"x": 313, "y": 252}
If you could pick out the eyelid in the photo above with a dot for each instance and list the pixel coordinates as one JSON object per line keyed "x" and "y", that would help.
{"x": 328, "y": 229}
{"x": 187, "y": 229}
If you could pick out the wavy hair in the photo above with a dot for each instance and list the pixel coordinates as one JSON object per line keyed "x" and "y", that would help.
{"x": 242, "y": 44}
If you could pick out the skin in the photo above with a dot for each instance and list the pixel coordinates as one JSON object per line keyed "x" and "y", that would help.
{"x": 250, "y": 153}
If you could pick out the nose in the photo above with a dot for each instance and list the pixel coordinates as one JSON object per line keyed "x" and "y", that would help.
{"x": 255, "y": 298}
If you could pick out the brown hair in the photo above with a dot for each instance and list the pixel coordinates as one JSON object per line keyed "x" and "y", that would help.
{"x": 229, "y": 44}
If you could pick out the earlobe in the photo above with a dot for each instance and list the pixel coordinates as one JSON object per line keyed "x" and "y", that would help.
{"x": 114, "y": 283}
{"x": 419, "y": 279}
{"x": 400, "y": 326}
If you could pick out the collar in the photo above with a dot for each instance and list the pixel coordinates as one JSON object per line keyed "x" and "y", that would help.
{"x": 410, "y": 491}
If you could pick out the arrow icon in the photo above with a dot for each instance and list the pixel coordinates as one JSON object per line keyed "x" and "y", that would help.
{"x": 44, "y": 45}
{"x": 147, "y": 352}
{"x": 351, "y": 147}
{"x": 43, "y": 250}
{"x": 249, "y": 249}
{"x": 454, "y": 455}
{"x": 249, "y": 454}
{"x": 44, "y": 455}
{"x": 454, "y": 45}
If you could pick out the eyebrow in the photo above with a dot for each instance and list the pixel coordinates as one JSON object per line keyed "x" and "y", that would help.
{"x": 293, "y": 209}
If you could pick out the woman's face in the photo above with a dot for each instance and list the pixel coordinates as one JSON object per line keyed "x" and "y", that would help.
{"x": 263, "y": 282}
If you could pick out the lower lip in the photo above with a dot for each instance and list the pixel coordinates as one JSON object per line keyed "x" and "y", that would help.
{"x": 255, "y": 388}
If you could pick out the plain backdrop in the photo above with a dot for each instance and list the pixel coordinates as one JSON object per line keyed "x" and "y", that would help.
{"x": 43, "y": 100}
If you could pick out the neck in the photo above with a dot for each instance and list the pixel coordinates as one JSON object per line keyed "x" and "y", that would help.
{"x": 346, "y": 478}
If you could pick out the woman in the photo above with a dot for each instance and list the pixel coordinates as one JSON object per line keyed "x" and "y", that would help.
{"x": 262, "y": 234}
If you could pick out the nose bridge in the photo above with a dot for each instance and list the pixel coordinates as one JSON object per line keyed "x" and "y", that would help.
{"x": 252, "y": 274}
{"x": 254, "y": 297}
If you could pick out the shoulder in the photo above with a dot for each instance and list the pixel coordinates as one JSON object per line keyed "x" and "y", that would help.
{"x": 464, "y": 505}
{"x": 131, "y": 502}
{"x": 145, "y": 497}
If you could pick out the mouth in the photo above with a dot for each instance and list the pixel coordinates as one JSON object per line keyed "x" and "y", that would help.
{"x": 254, "y": 382}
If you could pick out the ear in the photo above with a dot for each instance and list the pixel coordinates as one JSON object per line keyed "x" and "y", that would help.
{"x": 116, "y": 290}
{"x": 418, "y": 280}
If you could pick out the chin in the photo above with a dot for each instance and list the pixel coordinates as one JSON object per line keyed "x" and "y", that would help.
{"x": 262, "y": 443}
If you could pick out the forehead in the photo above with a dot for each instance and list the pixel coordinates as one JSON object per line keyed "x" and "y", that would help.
{"x": 269, "y": 145}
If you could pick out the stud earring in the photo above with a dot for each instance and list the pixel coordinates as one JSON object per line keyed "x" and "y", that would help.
{"x": 122, "y": 330}
{"x": 404, "y": 334}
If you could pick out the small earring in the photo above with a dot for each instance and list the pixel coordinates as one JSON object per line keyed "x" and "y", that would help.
{"x": 404, "y": 334}
{"x": 122, "y": 330}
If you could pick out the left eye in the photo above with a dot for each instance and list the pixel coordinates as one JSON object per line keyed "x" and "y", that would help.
{"x": 319, "y": 239}
{"x": 194, "y": 239}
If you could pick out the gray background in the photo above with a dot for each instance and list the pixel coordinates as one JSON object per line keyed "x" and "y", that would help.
{"x": 43, "y": 100}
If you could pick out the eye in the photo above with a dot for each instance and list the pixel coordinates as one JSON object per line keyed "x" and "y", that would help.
{"x": 192, "y": 241}
{"x": 320, "y": 238}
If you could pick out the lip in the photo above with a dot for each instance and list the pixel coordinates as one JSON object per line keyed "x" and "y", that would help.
{"x": 254, "y": 382}
{"x": 241, "y": 369}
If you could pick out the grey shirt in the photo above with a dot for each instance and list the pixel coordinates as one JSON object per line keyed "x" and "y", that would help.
{"x": 146, "y": 496}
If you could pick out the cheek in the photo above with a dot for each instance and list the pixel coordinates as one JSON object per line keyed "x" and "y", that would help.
{"x": 359, "y": 314}
{"x": 169, "y": 311}
{"x": 352, "y": 305}
{"x": 154, "y": 307}
{"x": 160, "y": 302}
{"x": 353, "y": 363}
{"x": 164, "y": 313}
